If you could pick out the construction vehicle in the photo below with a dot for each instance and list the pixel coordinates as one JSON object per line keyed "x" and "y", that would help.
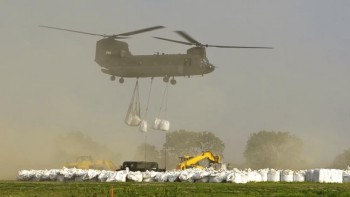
{"x": 193, "y": 161}
{"x": 86, "y": 162}
{"x": 141, "y": 166}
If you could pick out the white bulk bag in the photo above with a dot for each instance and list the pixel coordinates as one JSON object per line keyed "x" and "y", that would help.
{"x": 143, "y": 126}
{"x": 103, "y": 176}
{"x": 273, "y": 175}
{"x": 161, "y": 177}
{"x": 121, "y": 176}
{"x": 201, "y": 176}
{"x": 299, "y": 176}
{"x": 173, "y": 176}
{"x": 164, "y": 125}
{"x": 230, "y": 177}
{"x": 309, "y": 175}
{"x": 217, "y": 177}
{"x": 132, "y": 119}
{"x": 346, "y": 176}
{"x": 93, "y": 174}
{"x": 25, "y": 175}
{"x": 254, "y": 176}
{"x": 186, "y": 176}
{"x": 327, "y": 176}
{"x": 134, "y": 176}
{"x": 133, "y": 116}
{"x": 287, "y": 176}
{"x": 263, "y": 173}
{"x": 111, "y": 176}
{"x": 156, "y": 123}
{"x": 336, "y": 176}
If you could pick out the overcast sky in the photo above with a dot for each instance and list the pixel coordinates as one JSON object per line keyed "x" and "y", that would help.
{"x": 50, "y": 83}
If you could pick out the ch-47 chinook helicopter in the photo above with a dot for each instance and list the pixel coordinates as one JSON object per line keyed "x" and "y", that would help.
{"x": 116, "y": 60}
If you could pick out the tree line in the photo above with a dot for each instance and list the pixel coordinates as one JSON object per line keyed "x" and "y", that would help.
{"x": 264, "y": 149}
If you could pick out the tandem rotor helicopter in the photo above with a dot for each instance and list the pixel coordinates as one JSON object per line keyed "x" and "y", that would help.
{"x": 116, "y": 60}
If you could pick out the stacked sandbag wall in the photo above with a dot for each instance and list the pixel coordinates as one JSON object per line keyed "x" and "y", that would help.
{"x": 189, "y": 175}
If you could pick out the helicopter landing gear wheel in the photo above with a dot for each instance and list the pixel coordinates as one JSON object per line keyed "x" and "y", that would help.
{"x": 112, "y": 77}
{"x": 173, "y": 81}
{"x": 166, "y": 79}
{"x": 121, "y": 80}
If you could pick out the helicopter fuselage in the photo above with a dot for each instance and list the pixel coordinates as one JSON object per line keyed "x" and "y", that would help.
{"x": 116, "y": 60}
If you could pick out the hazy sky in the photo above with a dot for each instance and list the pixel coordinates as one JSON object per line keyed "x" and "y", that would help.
{"x": 50, "y": 83}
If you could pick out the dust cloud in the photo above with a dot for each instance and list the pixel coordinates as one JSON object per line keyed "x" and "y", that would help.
{"x": 45, "y": 150}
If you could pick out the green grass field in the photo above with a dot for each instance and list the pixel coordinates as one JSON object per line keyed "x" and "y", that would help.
{"x": 52, "y": 189}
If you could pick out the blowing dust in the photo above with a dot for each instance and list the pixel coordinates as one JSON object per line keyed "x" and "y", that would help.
{"x": 45, "y": 150}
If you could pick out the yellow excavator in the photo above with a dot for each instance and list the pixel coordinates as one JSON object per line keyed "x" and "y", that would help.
{"x": 193, "y": 161}
{"x": 86, "y": 162}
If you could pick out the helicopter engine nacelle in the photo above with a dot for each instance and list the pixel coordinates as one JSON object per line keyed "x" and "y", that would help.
{"x": 109, "y": 50}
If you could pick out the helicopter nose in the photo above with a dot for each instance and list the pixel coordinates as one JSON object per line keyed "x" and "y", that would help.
{"x": 211, "y": 68}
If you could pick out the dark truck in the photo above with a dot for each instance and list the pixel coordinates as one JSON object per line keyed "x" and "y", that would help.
{"x": 141, "y": 166}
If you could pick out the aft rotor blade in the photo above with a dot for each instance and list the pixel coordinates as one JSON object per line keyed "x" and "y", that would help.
{"x": 140, "y": 31}
{"x": 188, "y": 38}
{"x": 238, "y": 47}
{"x": 170, "y": 40}
{"x": 81, "y": 32}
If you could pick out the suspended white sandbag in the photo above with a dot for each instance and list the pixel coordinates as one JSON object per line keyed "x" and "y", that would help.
{"x": 164, "y": 125}
{"x": 133, "y": 116}
{"x": 133, "y": 120}
{"x": 159, "y": 123}
{"x": 143, "y": 126}
{"x": 156, "y": 123}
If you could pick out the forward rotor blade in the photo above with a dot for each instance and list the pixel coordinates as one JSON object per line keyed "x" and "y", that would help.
{"x": 189, "y": 38}
{"x": 140, "y": 31}
{"x": 170, "y": 40}
{"x": 238, "y": 47}
{"x": 81, "y": 32}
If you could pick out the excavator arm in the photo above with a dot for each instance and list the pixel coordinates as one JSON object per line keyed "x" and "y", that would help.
{"x": 192, "y": 162}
